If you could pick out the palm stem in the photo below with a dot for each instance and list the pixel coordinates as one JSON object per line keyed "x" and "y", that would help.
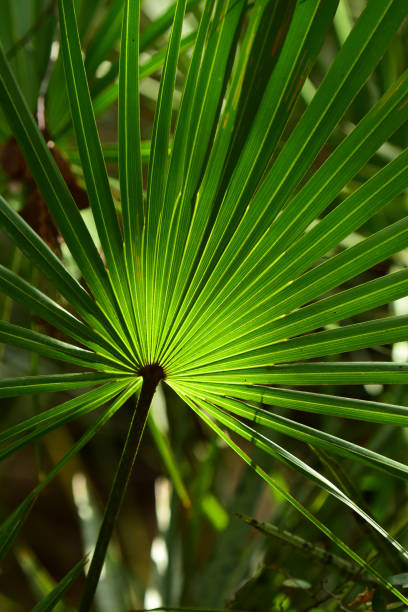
{"x": 151, "y": 377}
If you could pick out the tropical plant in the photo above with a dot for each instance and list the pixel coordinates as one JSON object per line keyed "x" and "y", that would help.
{"x": 223, "y": 276}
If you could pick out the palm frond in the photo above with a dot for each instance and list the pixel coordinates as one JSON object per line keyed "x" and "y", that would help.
{"x": 227, "y": 269}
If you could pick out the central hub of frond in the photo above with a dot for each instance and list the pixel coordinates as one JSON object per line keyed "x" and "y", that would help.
{"x": 152, "y": 373}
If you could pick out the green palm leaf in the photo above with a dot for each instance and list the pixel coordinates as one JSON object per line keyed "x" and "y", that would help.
{"x": 295, "y": 503}
{"x": 22, "y": 385}
{"x": 309, "y": 434}
{"x": 224, "y": 272}
{"x": 9, "y": 528}
{"x": 50, "y": 600}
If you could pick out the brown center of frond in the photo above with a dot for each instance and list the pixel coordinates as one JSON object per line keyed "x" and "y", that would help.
{"x": 152, "y": 373}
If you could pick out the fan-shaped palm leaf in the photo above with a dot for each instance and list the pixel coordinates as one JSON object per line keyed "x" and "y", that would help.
{"x": 216, "y": 285}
